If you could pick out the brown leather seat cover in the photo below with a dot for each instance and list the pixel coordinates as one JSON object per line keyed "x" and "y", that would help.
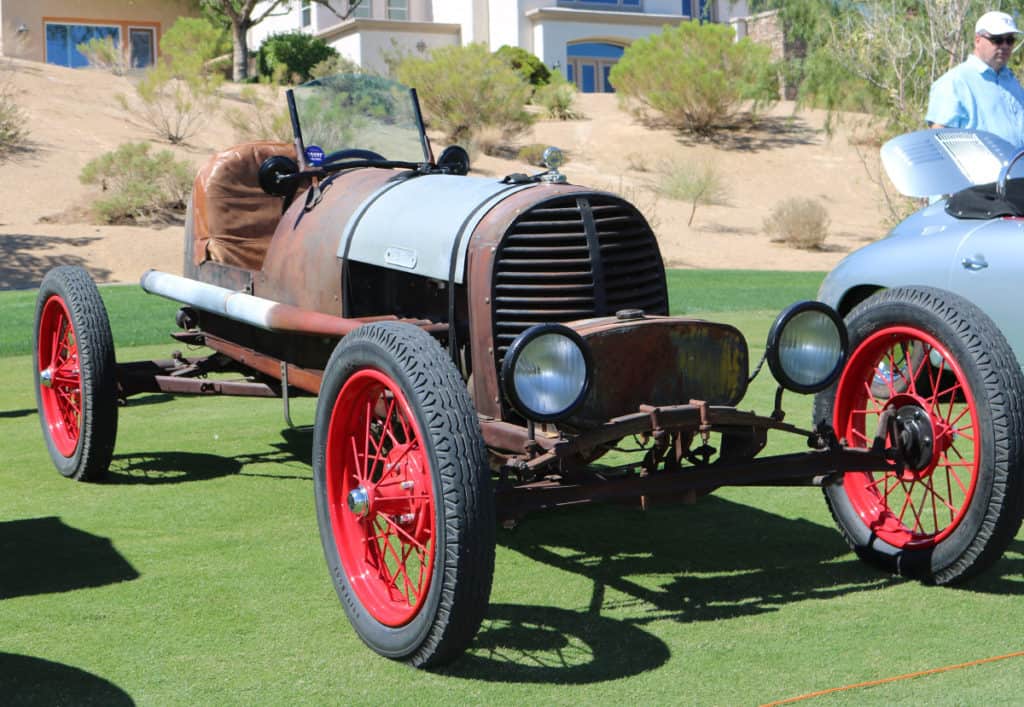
{"x": 233, "y": 220}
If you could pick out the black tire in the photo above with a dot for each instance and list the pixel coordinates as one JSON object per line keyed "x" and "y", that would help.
{"x": 75, "y": 374}
{"x": 393, "y": 382}
{"x": 958, "y": 504}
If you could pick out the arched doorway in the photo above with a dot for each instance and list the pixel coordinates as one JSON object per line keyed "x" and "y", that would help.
{"x": 589, "y": 64}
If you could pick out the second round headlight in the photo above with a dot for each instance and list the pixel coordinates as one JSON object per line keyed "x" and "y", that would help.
{"x": 546, "y": 373}
{"x": 807, "y": 346}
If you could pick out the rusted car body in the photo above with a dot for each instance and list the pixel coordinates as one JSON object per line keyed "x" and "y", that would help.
{"x": 476, "y": 344}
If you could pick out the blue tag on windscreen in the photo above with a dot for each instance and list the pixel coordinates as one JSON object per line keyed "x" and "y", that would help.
{"x": 314, "y": 155}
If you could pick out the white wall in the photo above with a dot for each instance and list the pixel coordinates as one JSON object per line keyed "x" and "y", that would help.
{"x": 550, "y": 37}
{"x": 470, "y": 15}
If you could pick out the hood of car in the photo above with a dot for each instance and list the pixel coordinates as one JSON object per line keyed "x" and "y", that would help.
{"x": 422, "y": 224}
{"x": 931, "y": 162}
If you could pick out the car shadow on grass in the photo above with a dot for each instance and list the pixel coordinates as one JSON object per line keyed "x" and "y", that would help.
{"x": 45, "y": 556}
{"x": 27, "y": 680}
{"x": 717, "y": 560}
{"x": 1004, "y": 577}
{"x": 173, "y": 467}
{"x": 542, "y": 644}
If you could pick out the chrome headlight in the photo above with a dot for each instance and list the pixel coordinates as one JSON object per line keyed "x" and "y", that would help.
{"x": 546, "y": 373}
{"x": 807, "y": 347}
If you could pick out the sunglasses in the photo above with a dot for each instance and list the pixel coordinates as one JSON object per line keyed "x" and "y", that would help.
{"x": 1003, "y": 39}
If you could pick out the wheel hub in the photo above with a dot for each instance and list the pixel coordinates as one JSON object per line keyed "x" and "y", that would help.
{"x": 46, "y": 378}
{"x": 915, "y": 436}
{"x": 359, "y": 501}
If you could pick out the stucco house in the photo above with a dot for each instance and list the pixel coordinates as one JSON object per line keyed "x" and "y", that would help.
{"x": 581, "y": 38}
{"x": 50, "y": 30}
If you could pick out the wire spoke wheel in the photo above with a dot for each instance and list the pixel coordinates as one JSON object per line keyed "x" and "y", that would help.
{"x": 937, "y": 418}
{"x": 381, "y": 497}
{"x": 403, "y": 495}
{"x": 931, "y": 375}
{"x": 75, "y": 374}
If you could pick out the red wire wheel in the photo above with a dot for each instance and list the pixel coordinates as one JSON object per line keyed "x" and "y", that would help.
{"x": 922, "y": 504}
{"x": 936, "y": 375}
{"x": 403, "y": 494}
{"x": 60, "y": 379}
{"x": 75, "y": 374}
{"x": 381, "y": 497}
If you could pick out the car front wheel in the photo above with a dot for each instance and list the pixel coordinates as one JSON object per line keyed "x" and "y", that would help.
{"x": 954, "y": 504}
{"x": 403, "y": 496}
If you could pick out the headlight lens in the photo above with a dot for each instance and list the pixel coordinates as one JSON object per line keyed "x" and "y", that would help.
{"x": 807, "y": 346}
{"x": 546, "y": 372}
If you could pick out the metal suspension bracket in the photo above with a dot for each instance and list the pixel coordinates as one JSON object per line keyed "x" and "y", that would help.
{"x": 284, "y": 394}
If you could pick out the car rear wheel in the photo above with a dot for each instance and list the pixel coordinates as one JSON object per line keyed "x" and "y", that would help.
{"x": 403, "y": 495}
{"x": 75, "y": 374}
{"x": 956, "y": 503}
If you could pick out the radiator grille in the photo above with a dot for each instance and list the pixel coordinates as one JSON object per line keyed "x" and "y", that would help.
{"x": 574, "y": 257}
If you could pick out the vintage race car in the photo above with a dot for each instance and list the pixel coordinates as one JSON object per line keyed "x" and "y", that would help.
{"x": 478, "y": 343}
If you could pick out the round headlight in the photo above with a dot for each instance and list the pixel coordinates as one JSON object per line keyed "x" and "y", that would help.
{"x": 546, "y": 372}
{"x": 807, "y": 346}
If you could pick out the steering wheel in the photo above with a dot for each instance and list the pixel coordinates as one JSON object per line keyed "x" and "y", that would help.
{"x": 354, "y": 153}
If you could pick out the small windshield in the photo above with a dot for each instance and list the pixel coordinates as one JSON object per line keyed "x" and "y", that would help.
{"x": 355, "y": 111}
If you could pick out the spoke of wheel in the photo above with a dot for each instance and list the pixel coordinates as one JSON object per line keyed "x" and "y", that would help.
{"x": 359, "y": 463}
{"x": 399, "y": 530}
{"x": 908, "y": 502}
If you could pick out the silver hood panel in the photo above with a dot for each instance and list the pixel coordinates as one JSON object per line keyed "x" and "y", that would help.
{"x": 422, "y": 224}
{"x": 932, "y": 162}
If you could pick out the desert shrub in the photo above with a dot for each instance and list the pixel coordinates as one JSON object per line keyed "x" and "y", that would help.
{"x": 179, "y": 92}
{"x": 138, "y": 186}
{"x": 695, "y": 76}
{"x": 290, "y": 57}
{"x": 557, "y": 98}
{"x": 336, "y": 64}
{"x": 260, "y": 117}
{"x": 13, "y": 122}
{"x": 101, "y": 54}
{"x": 469, "y": 88}
{"x": 697, "y": 184}
{"x": 799, "y": 222}
{"x": 527, "y": 65}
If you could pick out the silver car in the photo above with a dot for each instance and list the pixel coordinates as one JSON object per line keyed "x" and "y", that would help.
{"x": 971, "y": 243}
{"x": 935, "y": 338}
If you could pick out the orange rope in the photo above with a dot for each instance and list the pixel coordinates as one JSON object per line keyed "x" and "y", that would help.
{"x": 907, "y": 676}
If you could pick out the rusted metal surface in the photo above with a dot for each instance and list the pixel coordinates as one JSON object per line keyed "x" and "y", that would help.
{"x": 301, "y": 267}
{"x": 206, "y": 386}
{"x": 815, "y": 467}
{"x": 660, "y": 361}
{"x": 302, "y": 378}
{"x": 486, "y": 391}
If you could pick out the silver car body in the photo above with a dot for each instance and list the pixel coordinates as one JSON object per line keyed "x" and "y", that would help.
{"x": 979, "y": 259}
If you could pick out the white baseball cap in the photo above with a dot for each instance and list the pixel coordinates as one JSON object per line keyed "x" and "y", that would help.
{"x": 994, "y": 24}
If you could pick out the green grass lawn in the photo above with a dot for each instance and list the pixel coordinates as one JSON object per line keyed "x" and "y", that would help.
{"x": 194, "y": 575}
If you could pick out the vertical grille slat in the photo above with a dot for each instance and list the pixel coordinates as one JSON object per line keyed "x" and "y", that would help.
{"x": 545, "y": 269}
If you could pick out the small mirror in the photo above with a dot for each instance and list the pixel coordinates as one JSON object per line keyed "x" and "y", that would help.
{"x": 454, "y": 160}
{"x": 277, "y": 174}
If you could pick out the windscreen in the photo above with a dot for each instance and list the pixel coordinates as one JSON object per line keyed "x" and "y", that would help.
{"x": 358, "y": 112}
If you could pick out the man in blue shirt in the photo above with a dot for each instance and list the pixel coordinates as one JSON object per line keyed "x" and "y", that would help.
{"x": 981, "y": 93}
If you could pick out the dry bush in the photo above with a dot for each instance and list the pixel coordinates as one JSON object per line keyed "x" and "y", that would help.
{"x": 138, "y": 187}
{"x": 175, "y": 96}
{"x": 101, "y": 54}
{"x": 13, "y": 120}
{"x": 469, "y": 89}
{"x": 799, "y": 222}
{"x": 261, "y": 118}
{"x": 697, "y": 184}
{"x": 557, "y": 98}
